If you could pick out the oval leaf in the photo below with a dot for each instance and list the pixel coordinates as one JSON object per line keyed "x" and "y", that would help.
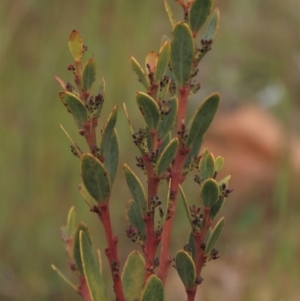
{"x": 215, "y": 235}
{"x": 216, "y": 208}
{"x": 91, "y": 271}
{"x": 111, "y": 155}
{"x": 207, "y": 166}
{"x": 136, "y": 188}
{"x": 95, "y": 178}
{"x": 194, "y": 152}
{"x": 89, "y": 74}
{"x": 81, "y": 227}
{"x": 182, "y": 53}
{"x": 75, "y": 106}
{"x": 86, "y": 196}
{"x": 199, "y": 12}
{"x": 75, "y": 45}
{"x": 149, "y": 109}
{"x": 140, "y": 73}
{"x": 108, "y": 129}
{"x": 167, "y": 156}
{"x": 212, "y": 26}
{"x": 186, "y": 268}
{"x": 209, "y": 192}
{"x": 203, "y": 118}
{"x": 168, "y": 121}
{"x": 135, "y": 218}
{"x": 133, "y": 276}
{"x": 219, "y": 163}
{"x": 153, "y": 290}
{"x": 162, "y": 62}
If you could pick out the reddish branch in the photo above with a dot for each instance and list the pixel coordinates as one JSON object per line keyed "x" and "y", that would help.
{"x": 176, "y": 179}
{"x": 111, "y": 250}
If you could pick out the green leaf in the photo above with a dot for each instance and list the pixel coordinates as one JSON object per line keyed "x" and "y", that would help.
{"x": 191, "y": 244}
{"x": 186, "y": 206}
{"x": 217, "y": 206}
{"x": 149, "y": 109}
{"x": 140, "y": 73}
{"x": 213, "y": 25}
{"x": 91, "y": 271}
{"x": 224, "y": 180}
{"x": 136, "y": 188}
{"x": 75, "y": 106}
{"x": 209, "y": 192}
{"x": 165, "y": 142}
{"x": 198, "y": 14}
{"x": 111, "y": 155}
{"x": 186, "y": 268}
{"x": 182, "y": 53}
{"x": 95, "y": 178}
{"x": 202, "y": 119}
{"x": 86, "y": 196}
{"x": 162, "y": 62}
{"x": 166, "y": 124}
{"x": 215, "y": 235}
{"x": 219, "y": 162}
{"x": 75, "y": 45}
{"x": 81, "y": 227}
{"x": 64, "y": 277}
{"x": 170, "y": 13}
{"x": 135, "y": 218}
{"x": 71, "y": 225}
{"x": 108, "y": 129}
{"x": 194, "y": 152}
{"x": 167, "y": 156}
{"x": 207, "y": 166}
{"x": 89, "y": 74}
{"x": 133, "y": 276}
{"x": 207, "y": 235}
{"x": 153, "y": 290}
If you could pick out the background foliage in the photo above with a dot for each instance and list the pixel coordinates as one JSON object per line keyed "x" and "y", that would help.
{"x": 255, "y": 59}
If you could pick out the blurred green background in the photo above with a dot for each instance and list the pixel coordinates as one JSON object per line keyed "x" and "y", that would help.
{"x": 255, "y": 61}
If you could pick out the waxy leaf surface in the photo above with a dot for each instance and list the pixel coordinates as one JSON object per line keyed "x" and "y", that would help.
{"x": 186, "y": 268}
{"x": 89, "y": 74}
{"x": 153, "y": 290}
{"x": 95, "y": 178}
{"x": 136, "y": 188}
{"x": 149, "y": 109}
{"x": 76, "y": 250}
{"x": 212, "y": 27}
{"x": 135, "y": 218}
{"x": 199, "y": 12}
{"x": 209, "y": 192}
{"x": 133, "y": 276}
{"x": 182, "y": 53}
{"x": 162, "y": 62}
{"x": 91, "y": 271}
{"x": 215, "y": 235}
{"x": 167, "y": 156}
{"x": 140, "y": 73}
{"x": 203, "y": 118}
{"x": 75, "y": 106}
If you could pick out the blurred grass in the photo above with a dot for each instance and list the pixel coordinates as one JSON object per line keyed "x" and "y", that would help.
{"x": 257, "y": 47}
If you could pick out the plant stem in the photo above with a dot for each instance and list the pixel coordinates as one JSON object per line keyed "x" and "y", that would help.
{"x": 111, "y": 251}
{"x": 176, "y": 180}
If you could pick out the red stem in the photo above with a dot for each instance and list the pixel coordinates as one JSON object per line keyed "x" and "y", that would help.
{"x": 200, "y": 257}
{"x": 176, "y": 180}
{"x": 111, "y": 251}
